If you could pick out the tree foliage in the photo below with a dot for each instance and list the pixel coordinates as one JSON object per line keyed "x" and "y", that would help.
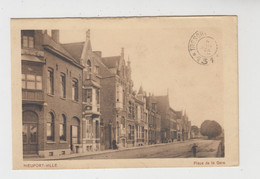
{"x": 212, "y": 129}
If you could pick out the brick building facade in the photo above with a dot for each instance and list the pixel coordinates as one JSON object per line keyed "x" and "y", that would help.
{"x": 51, "y": 96}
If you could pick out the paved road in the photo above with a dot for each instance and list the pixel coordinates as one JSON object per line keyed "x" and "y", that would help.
{"x": 206, "y": 148}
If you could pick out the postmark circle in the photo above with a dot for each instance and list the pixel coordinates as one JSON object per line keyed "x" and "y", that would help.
{"x": 202, "y": 48}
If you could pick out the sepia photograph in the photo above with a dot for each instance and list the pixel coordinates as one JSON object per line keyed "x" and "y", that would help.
{"x": 102, "y": 89}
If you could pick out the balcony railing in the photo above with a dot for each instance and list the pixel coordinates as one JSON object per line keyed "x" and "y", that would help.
{"x": 32, "y": 95}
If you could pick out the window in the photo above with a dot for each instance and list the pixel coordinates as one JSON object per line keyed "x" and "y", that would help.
{"x": 25, "y": 135}
{"x": 89, "y": 132}
{"x": 63, "y": 85}
{"x": 87, "y": 96}
{"x": 27, "y": 41}
{"x": 130, "y": 109}
{"x": 30, "y": 81}
{"x": 132, "y": 132}
{"x": 97, "y": 96}
{"x": 50, "y": 82}
{"x": 153, "y": 106}
{"x": 50, "y": 127}
{"x": 123, "y": 122}
{"x": 142, "y": 132}
{"x": 97, "y": 69}
{"x": 89, "y": 65}
{"x": 63, "y": 128}
{"x": 75, "y": 90}
{"x": 129, "y": 132}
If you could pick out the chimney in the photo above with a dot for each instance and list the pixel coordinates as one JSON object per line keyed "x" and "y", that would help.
{"x": 55, "y": 34}
{"x": 88, "y": 35}
{"x": 122, "y": 52}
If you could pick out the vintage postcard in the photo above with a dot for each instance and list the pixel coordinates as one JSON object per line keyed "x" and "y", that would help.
{"x": 132, "y": 92}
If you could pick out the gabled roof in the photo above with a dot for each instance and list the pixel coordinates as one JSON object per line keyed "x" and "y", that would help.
{"x": 49, "y": 42}
{"x": 104, "y": 71}
{"x": 111, "y": 62}
{"x": 75, "y": 49}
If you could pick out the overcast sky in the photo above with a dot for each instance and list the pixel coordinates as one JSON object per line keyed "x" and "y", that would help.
{"x": 160, "y": 59}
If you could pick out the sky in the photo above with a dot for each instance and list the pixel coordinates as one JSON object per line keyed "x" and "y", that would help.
{"x": 160, "y": 60}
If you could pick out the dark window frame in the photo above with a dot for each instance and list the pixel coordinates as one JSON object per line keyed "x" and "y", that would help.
{"x": 50, "y": 83}
{"x": 51, "y": 127}
{"x": 75, "y": 90}
{"x": 63, "y": 85}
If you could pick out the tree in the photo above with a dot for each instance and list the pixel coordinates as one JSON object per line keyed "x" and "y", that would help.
{"x": 195, "y": 131}
{"x": 211, "y": 129}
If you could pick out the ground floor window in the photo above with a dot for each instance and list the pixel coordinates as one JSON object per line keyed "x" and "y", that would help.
{"x": 63, "y": 128}
{"x": 131, "y": 132}
{"x": 50, "y": 127}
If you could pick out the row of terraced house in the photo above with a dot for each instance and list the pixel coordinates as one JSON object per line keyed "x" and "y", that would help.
{"x": 76, "y": 101}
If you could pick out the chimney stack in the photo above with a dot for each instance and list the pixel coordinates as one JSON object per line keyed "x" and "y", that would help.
{"x": 122, "y": 52}
{"x": 55, "y": 34}
{"x": 88, "y": 35}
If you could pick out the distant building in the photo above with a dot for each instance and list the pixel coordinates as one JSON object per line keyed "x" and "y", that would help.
{"x": 168, "y": 123}
{"x": 116, "y": 93}
{"x": 154, "y": 121}
{"x": 183, "y": 126}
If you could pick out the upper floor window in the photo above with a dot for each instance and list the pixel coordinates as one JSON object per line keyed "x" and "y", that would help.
{"x": 30, "y": 81}
{"x": 97, "y": 69}
{"x": 75, "y": 89}
{"x": 89, "y": 65}
{"x": 87, "y": 95}
{"x": 97, "y": 96}
{"x": 50, "y": 82}
{"x": 153, "y": 106}
{"x": 63, "y": 85}
{"x": 27, "y": 42}
{"x": 27, "y": 38}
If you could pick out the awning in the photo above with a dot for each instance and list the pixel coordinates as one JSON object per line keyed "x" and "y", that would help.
{"x": 31, "y": 58}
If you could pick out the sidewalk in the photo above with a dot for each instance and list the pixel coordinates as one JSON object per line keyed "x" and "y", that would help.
{"x": 76, "y": 155}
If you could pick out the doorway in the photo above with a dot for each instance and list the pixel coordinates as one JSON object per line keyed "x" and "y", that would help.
{"x": 74, "y": 133}
{"x": 30, "y": 132}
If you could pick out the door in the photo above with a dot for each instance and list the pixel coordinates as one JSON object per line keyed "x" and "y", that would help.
{"x": 30, "y": 133}
{"x": 74, "y": 132}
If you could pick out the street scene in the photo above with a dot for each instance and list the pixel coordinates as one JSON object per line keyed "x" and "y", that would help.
{"x": 79, "y": 104}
